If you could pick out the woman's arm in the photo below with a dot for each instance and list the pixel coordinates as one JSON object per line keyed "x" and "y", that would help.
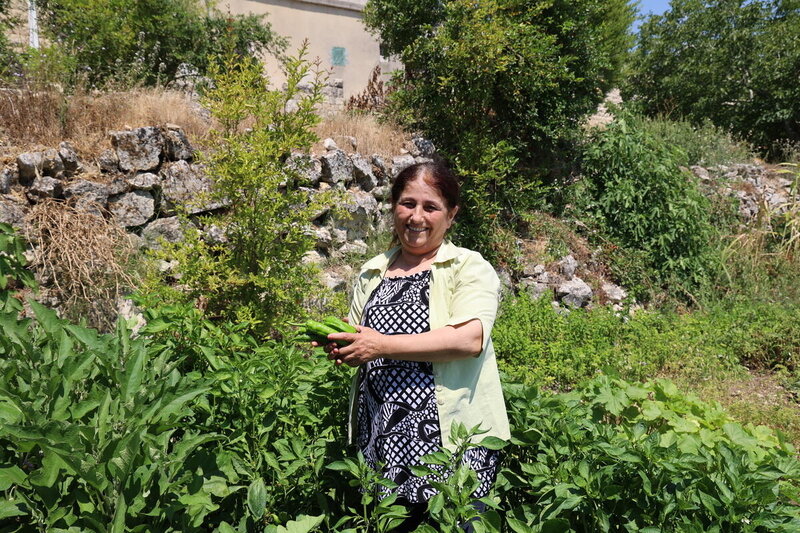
{"x": 443, "y": 344}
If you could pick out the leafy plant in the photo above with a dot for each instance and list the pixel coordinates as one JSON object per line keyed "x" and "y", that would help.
{"x": 12, "y": 269}
{"x": 645, "y": 202}
{"x": 727, "y": 61}
{"x": 255, "y": 273}
{"x": 134, "y": 42}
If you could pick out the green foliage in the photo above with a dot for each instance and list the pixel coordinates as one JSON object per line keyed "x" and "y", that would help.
{"x": 703, "y": 144}
{"x": 94, "y": 433}
{"x": 727, "y": 61}
{"x": 12, "y": 269}
{"x": 645, "y": 202}
{"x": 257, "y": 275}
{"x": 537, "y": 345}
{"x": 617, "y": 456}
{"x": 135, "y": 41}
{"x": 500, "y": 87}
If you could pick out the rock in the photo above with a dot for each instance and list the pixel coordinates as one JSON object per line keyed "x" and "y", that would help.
{"x": 382, "y": 172}
{"x": 87, "y": 196}
{"x": 567, "y": 266}
{"x": 52, "y": 165}
{"x": 145, "y": 181}
{"x": 338, "y": 236}
{"x": 382, "y": 193}
{"x": 139, "y": 149}
{"x": 12, "y": 212}
{"x": 216, "y": 234}
{"x": 185, "y": 184}
{"x": 323, "y": 238}
{"x": 574, "y": 293}
{"x": 337, "y": 167}
{"x": 506, "y": 283}
{"x": 400, "y": 163}
{"x": 29, "y": 166}
{"x": 614, "y": 293}
{"x": 420, "y": 160}
{"x": 69, "y": 158}
{"x": 308, "y": 168}
{"x": 312, "y": 257}
{"x": 535, "y": 288}
{"x": 168, "y": 229}
{"x": 108, "y": 161}
{"x": 357, "y": 247}
{"x": 329, "y": 144}
{"x": 700, "y": 172}
{"x": 532, "y": 270}
{"x": 132, "y": 209}
{"x": 362, "y": 171}
{"x": 6, "y": 180}
{"x": 45, "y": 187}
{"x": 333, "y": 281}
{"x": 422, "y": 147}
{"x": 363, "y": 210}
{"x": 176, "y": 145}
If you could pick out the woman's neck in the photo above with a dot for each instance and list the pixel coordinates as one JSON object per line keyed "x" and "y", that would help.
{"x": 408, "y": 263}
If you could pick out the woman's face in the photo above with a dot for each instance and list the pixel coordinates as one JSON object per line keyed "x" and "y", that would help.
{"x": 421, "y": 217}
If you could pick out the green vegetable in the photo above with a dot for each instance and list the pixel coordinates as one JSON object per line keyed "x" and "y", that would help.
{"x": 312, "y": 330}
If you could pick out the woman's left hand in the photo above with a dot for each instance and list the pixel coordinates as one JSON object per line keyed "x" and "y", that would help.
{"x": 366, "y": 345}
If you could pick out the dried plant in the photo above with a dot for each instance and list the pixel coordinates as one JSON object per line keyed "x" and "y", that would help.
{"x": 373, "y": 98}
{"x": 82, "y": 260}
{"x": 31, "y": 116}
{"x": 372, "y": 136}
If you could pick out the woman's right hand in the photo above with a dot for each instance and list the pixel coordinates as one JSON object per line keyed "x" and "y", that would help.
{"x": 364, "y": 346}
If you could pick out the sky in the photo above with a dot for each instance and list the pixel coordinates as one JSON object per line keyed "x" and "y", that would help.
{"x": 656, "y": 7}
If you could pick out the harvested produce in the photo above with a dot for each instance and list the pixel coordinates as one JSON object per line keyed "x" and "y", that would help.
{"x": 313, "y": 330}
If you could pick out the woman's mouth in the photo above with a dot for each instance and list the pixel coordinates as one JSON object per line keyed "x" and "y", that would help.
{"x": 415, "y": 230}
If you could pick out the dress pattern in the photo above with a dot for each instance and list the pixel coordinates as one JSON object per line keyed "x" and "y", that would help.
{"x": 398, "y": 421}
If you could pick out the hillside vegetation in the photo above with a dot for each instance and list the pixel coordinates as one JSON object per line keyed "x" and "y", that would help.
{"x": 673, "y": 411}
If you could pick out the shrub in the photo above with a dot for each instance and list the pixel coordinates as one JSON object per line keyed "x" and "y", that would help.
{"x": 617, "y": 456}
{"x": 256, "y": 274}
{"x": 145, "y": 41}
{"x": 500, "y": 87}
{"x": 730, "y": 62}
{"x": 645, "y": 202}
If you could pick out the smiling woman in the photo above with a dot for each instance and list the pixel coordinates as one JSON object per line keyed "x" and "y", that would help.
{"x": 424, "y": 312}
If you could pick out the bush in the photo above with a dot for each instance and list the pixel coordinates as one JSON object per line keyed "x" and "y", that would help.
{"x": 645, "y": 202}
{"x": 145, "y": 41}
{"x": 733, "y": 63}
{"x": 257, "y": 274}
{"x": 500, "y": 87}
{"x": 617, "y": 456}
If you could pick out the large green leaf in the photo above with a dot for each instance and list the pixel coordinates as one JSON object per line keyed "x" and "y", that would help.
{"x": 257, "y": 498}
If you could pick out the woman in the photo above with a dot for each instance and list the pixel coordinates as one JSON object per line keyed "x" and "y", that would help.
{"x": 425, "y": 311}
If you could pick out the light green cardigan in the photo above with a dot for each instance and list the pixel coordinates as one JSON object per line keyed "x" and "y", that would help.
{"x": 463, "y": 286}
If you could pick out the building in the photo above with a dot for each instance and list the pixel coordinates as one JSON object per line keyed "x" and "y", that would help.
{"x": 335, "y": 32}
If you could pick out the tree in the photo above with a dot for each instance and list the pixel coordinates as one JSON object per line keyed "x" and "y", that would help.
{"x": 734, "y": 62}
{"x": 500, "y": 85}
{"x": 145, "y": 41}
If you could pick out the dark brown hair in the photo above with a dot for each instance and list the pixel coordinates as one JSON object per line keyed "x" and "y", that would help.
{"x": 437, "y": 175}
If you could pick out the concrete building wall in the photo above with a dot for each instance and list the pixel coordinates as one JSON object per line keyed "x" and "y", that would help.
{"x": 335, "y": 32}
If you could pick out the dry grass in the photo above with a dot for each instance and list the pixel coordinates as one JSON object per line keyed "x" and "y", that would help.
{"x": 373, "y": 137}
{"x": 81, "y": 261}
{"x": 31, "y": 118}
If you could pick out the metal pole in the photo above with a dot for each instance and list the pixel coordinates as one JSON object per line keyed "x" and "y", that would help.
{"x": 33, "y": 25}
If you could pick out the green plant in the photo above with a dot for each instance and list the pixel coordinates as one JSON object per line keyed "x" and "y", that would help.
{"x": 13, "y": 273}
{"x": 257, "y": 274}
{"x": 617, "y": 456}
{"x": 727, "y": 61}
{"x": 498, "y": 86}
{"x": 645, "y": 202}
{"x": 144, "y": 42}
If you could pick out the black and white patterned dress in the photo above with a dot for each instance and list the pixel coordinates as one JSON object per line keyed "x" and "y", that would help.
{"x": 398, "y": 421}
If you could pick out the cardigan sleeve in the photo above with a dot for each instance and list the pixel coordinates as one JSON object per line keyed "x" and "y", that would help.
{"x": 476, "y": 294}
